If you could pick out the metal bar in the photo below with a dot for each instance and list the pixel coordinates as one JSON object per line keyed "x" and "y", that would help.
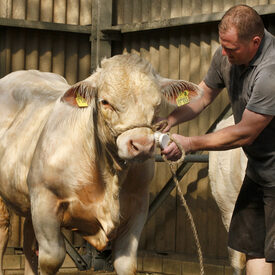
{"x": 183, "y": 169}
{"x": 79, "y": 261}
{"x": 49, "y": 26}
{"x": 188, "y": 158}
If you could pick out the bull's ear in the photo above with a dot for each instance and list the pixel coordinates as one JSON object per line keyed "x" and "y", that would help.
{"x": 80, "y": 94}
{"x": 179, "y": 92}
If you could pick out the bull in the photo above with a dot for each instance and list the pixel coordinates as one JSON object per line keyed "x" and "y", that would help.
{"x": 81, "y": 157}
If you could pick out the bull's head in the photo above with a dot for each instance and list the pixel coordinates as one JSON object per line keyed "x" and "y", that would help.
{"x": 126, "y": 94}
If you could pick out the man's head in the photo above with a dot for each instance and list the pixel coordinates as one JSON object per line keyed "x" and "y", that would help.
{"x": 241, "y": 31}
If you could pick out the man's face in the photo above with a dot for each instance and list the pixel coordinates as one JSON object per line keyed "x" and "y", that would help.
{"x": 238, "y": 52}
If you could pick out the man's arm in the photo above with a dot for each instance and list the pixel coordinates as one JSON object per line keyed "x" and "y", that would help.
{"x": 191, "y": 110}
{"x": 241, "y": 134}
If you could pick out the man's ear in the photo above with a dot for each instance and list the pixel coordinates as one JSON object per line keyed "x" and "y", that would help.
{"x": 80, "y": 94}
{"x": 179, "y": 92}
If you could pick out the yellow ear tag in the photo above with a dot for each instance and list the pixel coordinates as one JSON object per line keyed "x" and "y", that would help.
{"x": 183, "y": 98}
{"x": 81, "y": 101}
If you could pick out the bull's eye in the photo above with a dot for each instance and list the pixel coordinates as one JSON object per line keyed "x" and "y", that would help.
{"x": 104, "y": 102}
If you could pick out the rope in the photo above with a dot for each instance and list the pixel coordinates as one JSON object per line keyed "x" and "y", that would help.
{"x": 184, "y": 203}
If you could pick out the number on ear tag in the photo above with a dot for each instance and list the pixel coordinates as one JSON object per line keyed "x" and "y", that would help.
{"x": 183, "y": 98}
{"x": 81, "y": 101}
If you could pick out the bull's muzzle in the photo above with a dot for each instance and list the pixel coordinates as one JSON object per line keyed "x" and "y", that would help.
{"x": 136, "y": 144}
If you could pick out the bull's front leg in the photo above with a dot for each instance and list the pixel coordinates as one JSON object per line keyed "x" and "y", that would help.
{"x": 46, "y": 224}
{"x": 126, "y": 245}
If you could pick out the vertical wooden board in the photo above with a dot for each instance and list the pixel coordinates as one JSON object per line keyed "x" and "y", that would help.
{"x": 18, "y": 50}
{"x": 144, "y": 47}
{"x": 33, "y": 10}
{"x": 45, "y": 52}
{"x": 205, "y": 59}
{"x": 155, "y": 9}
{"x": 137, "y": 11}
{"x": 58, "y": 54}
{"x": 184, "y": 67}
{"x": 84, "y": 57}
{"x": 3, "y": 53}
{"x": 32, "y": 46}
{"x": 8, "y": 54}
{"x": 195, "y": 55}
{"x": 217, "y": 5}
{"x": 194, "y": 73}
{"x": 196, "y": 7}
{"x": 15, "y": 225}
{"x": 174, "y": 54}
{"x": 228, "y": 4}
{"x": 4, "y": 8}
{"x": 206, "y": 6}
{"x": 165, "y": 9}
{"x": 154, "y": 51}
{"x": 161, "y": 218}
{"x": 212, "y": 228}
{"x": 46, "y": 7}
{"x": 145, "y": 10}
{"x": 202, "y": 198}
{"x": 72, "y": 15}
{"x": 181, "y": 219}
{"x": 59, "y": 11}
{"x": 176, "y": 8}
{"x": 186, "y": 7}
{"x": 191, "y": 200}
{"x": 19, "y": 9}
{"x": 135, "y": 42}
{"x": 128, "y": 12}
{"x": 271, "y": 27}
{"x": 85, "y": 17}
{"x": 21, "y": 236}
{"x": 71, "y": 59}
{"x": 120, "y": 11}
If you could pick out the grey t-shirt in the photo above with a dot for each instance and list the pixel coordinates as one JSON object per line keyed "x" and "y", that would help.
{"x": 251, "y": 88}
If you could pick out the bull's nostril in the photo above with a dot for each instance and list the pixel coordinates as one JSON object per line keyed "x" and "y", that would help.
{"x": 133, "y": 146}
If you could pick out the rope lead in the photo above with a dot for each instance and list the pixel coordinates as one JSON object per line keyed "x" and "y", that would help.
{"x": 184, "y": 203}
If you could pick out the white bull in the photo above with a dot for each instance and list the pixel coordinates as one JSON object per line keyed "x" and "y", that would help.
{"x": 80, "y": 157}
{"x": 226, "y": 174}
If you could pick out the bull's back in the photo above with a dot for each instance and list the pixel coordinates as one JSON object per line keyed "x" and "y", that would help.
{"x": 26, "y": 100}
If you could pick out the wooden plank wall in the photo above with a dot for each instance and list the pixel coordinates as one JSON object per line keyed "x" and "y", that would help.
{"x": 46, "y": 50}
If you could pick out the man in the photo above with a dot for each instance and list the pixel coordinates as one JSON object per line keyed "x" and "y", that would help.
{"x": 245, "y": 65}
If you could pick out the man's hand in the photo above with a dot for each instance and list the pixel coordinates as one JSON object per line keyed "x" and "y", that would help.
{"x": 173, "y": 152}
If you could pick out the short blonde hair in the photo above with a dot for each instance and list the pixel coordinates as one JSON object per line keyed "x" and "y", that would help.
{"x": 245, "y": 19}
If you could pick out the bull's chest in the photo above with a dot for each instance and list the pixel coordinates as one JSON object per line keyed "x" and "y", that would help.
{"x": 94, "y": 214}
